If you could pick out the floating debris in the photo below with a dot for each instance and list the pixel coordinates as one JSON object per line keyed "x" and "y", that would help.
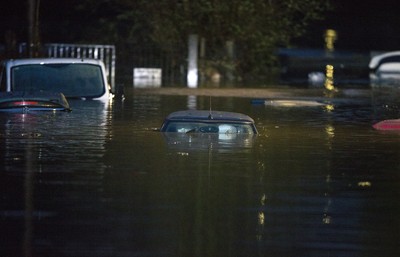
{"x": 393, "y": 124}
{"x": 293, "y": 103}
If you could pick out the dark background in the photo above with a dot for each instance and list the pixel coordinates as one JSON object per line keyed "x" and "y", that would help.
{"x": 361, "y": 25}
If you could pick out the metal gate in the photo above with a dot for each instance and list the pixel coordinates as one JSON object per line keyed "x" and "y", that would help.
{"x": 106, "y": 53}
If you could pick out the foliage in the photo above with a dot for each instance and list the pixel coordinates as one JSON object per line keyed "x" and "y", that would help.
{"x": 257, "y": 27}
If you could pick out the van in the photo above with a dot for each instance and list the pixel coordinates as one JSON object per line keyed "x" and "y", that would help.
{"x": 74, "y": 78}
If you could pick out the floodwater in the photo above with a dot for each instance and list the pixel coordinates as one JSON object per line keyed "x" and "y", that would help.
{"x": 99, "y": 181}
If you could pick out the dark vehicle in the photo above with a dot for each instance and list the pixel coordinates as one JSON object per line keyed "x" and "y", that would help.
{"x": 200, "y": 130}
{"x": 202, "y": 121}
{"x": 27, "y": 102}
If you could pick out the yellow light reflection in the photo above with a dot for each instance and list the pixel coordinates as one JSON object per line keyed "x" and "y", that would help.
{"x": 261, "y": 218}
{"x": 364, "y": 184}
{"x": 329, "y": 78}
{"x": 330, "y": 131}
{"x": 263, "y": 199}
{"x": 329, "y": 107}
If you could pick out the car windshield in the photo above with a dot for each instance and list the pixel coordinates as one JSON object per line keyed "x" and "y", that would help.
{"x": 208, "y": 127}
{"x": 73, "y": 80}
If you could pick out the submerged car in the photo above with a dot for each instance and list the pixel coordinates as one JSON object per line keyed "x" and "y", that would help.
{"x": 203, "y": 121}
{"x": 385, "y": 69}
{"x": 75, "y": 78}
{"x": 36, "y": 101}
{"x": 201, "y": 130}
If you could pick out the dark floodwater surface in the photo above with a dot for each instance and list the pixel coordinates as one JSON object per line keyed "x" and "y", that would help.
{"x": 317, "y": 181}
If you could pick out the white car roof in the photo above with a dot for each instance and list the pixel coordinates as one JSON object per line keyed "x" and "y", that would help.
{"x": 16, "y": 62}
{"x": 375, "y": 61}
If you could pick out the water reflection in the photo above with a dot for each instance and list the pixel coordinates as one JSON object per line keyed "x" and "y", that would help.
{"x": 29, "y": 207}
{"x": 43, "y": 153}
{"x": 99, "y": 182}
{"x": 192, "y": 102}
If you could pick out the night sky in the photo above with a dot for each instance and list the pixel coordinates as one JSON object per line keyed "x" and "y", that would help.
{"x": 361, "y": 25}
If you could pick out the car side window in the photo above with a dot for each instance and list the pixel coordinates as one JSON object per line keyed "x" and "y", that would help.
{"x": 209, "y": 129}
{"x": 227, "y": 129}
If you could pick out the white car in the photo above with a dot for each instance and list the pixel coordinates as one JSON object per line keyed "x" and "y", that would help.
{"x": 385, "y": 69}
{"x": 73, "y": 77}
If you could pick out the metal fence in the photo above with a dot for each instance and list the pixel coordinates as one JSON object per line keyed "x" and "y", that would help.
{"x": 173, "y": 68}
{"x": 106, "y": 53}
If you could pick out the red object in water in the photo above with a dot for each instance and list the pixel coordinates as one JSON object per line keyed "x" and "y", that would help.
{"x": 387, "y": 125}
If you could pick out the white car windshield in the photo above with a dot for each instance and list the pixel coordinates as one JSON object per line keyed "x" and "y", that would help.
{"x": 73, "y": 80}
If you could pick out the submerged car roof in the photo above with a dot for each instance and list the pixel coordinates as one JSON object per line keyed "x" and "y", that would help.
{"x": 40, "y": 100}
{"x": 191, "y": 115}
